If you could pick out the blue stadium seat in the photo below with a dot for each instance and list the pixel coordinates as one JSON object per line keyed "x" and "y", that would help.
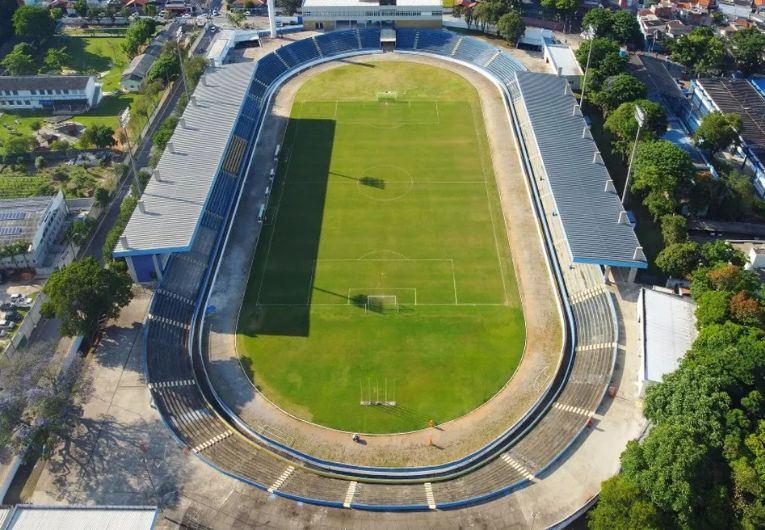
{"x": 370, "y": 38}
{"x": 269, "y": 68}
{"x": 405, "y": 38}
{"x": 474, "y": 51}
{"x": 299, "y": 52}
{"x": 504, "y": 67}
{"x": 338, "y": 42}
{"x": 436, "y": 41}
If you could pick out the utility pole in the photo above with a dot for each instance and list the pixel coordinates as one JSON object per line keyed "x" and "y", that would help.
{"x": 124, "y": 120}
{"x": 591, "y": 34}
{"x": 178, "y": 38}
{"x": 640, "y": 118}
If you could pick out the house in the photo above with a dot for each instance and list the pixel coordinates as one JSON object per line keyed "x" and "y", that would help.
{"x": 135, "y": 74}
{"x": 59, "y": 94}
{"x": 562, "y": 62}
{"x": 34, "y": 221}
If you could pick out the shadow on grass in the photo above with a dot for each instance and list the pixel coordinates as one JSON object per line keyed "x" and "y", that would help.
{"x": 282, "y": 284}
{"x": 85, "y": 60}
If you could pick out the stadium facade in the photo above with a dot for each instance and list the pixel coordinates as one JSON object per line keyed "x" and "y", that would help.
{"x": 335, "y": 14}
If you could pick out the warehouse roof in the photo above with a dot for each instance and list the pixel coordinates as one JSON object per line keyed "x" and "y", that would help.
{"x": 39, "y": 517}
{"x": 669, "y": 330}
{"x": 20, "y": 218}
{"x": 592, "y": 217}
{"x": 43, "y": 82}
{"x": 172, "y": 205}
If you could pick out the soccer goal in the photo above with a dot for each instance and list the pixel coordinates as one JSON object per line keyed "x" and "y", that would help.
{"x": 388, "y": 95}
{"x": 382, "y": 303}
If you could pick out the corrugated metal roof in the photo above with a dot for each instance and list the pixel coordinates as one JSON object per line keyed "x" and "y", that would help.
{"x": 44, "y": 82}
{"x": 669, "y": 332}
{"x": 173, "y": 205}
{"x": 35, "y": 517}
{"x": 589, "y": 214}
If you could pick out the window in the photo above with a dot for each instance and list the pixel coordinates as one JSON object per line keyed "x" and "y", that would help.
{"x": 27, "y": 102}
{"x": 15, "y": 92}
{"x": 66, "y": 91}
{"x": 33, "y": 92}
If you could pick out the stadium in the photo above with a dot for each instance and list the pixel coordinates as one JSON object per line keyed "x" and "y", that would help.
{"x": 347, "y": 232}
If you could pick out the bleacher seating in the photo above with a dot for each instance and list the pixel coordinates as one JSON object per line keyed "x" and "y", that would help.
{"x": 175, "y": 384}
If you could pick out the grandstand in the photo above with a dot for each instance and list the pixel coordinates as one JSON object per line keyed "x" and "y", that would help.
{"x": 190, "y": 248}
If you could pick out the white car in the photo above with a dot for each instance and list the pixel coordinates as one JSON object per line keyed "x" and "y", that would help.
{"x": 16, "y": 297}
{"x": 7, "y": 324}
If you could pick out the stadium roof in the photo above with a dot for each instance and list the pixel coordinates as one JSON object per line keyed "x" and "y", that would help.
{"x": 172, "y": 205}
{"x": 590, "y": 215}
{"x": 668, "y": 332}
{"x": 39, "y": 517}
{"x": 737, "y": 95}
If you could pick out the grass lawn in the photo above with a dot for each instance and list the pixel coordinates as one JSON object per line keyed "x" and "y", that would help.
{"x": 384, "y": 260}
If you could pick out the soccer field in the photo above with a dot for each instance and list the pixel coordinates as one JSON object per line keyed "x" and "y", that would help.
{"x": 383, "y": 270}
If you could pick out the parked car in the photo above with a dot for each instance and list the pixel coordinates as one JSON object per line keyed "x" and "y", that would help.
{"x": 16, "y": 297}
{"x": 7, "y": 324}
{"x": 3, "y": 333}
{"x": 14, "y": 316}
{"x": 26, "y": 303}
{"x": 7, "y": 306}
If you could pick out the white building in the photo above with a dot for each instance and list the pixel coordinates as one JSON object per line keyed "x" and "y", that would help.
{"x": 667, "y": 329}
{"x": 562, "y": 62}
{"x": 35, "y": 221}
{"x": 332, "y": 14}
{"x": 55, "y": 93}
{"x": 756, "y": 258}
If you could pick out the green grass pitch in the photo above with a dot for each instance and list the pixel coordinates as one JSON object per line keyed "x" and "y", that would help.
{"x": 383, "y": 198}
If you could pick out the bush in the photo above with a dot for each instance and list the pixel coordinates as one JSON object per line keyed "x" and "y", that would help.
{"x": 39, "y": 162}
{"x": 126, "y": 210}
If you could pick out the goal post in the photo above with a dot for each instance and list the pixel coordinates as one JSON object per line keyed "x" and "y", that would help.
{"x": 388, "y": 95}
{"x": 382, "y": 303}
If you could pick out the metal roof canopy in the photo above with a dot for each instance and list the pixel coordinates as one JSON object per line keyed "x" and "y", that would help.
{"x": 591, "y": 213}
{"x": 47, "y": 517}
{"x": 737, "y": 95}
{"x": 670, "y": 329}
{"x": 173, "y": 205}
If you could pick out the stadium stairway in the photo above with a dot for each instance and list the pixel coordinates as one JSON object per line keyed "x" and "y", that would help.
{"x": 179, "y": 388}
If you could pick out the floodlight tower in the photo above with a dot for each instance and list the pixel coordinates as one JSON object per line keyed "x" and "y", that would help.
{"x": 272, "y": 18}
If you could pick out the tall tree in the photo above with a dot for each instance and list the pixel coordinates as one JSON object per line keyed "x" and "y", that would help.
{"x": 617, "y": 90}
{"x": 56, "y": 59}
{"x": 101, "y": 136}
{"x": 718, "y": 131}
{"x": 290, "y": 7}
{"x": 600, "y": 21}
{"x": 661, "y": 172}
{"x": 84, "y": 292}
{"x": 674, "y": 229}
{"x": 511, "y": 26}
{"x": 747, "y": 46}
{"x": 34, "y": 24}
{"x": 701, "y": 51}
{"x": 20, "y": 60}
{"x": 623, "y": 125}
{"x": 625, "y": 27}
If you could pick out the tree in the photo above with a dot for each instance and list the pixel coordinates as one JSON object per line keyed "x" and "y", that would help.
{"x": 101, "y": 136}
{"x": 679, "y": 259}
{"x": 511, "y": 26}
{"x": 164, "y": 132}
{"x": 289, "y": 7}
{"x": 561, "y": 8}
{"x": 84, "y": 292}
{"x": 7, "y": 9}
{"x": 137, "y": 34}
{"x": 600, "y": 21}
{"x": 56, "y": 59}
{"x": 674, "y": 229}
{"x": 17, "y": 145}
{"x": 602, "y": 48}
{"x": 700, "y": 51}
{"x": 623, "y": 125}
{"x": 102, "y": 196}
{"x": 712, "y": 307}
{"x": 34, "y": 24}
{"x": 618, "y": 89}
{"x": 194, "y": 67}
{"x": 747, "y": 46}
{"x": 488, "y": 13}
{"x": 717, "y": 131}
{"x": 661, "y": 170}
{"x": 80, "y": 230}
{"x": 746, "y": 310}
{"x": 166, "y": 67}
{"x": 623, "y": 506}
{"x": 721, "y": 252}
{"x": 20, "y": 60}
{"x": 625, "y": 27}
{"x": 81, "y": 7}
{"x": 235, "y": 18}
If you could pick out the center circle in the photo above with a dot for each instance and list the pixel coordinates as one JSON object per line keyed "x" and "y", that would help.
{"x": 385, "y": 182}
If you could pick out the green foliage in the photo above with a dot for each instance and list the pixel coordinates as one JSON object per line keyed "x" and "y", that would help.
{"x": 488, "y": 13}
{"x": 56, "y": 59}
{"x": 59, "y": 145}
{"x": 712, "y": 308}
{"x": 721, "y": 252}
{"x": 622, "y": 506}
{"x": 747, "y": 46}
{"x": 289, "y": 7}
{"x": 674, "y": 229}
{"x": 562, "y": 8}
{"x": 126, "y": 210}
{"x": 102, "y": 197}
{"x": 717, "y": 131}
{"x": 80, "y": 230}
{"x": 164, "y": 132}
{"x": 16, "y": 146}
{"x": 616, "y": 90}
{"x": 511, "y": 26}
{"x": 619, "y": 26}
{"x": 166, "y": 67}
{"x": 12, "y": 187}
{"x": 82, "y": 293}
{"x": 623, "y": 125}
{"x": 661, "y": 172}
{"x": 679, "y": 259}
{"x": 20, "y": 60}
{"x": 34, "y": 24}
{"x": 194, "y": 67}
{"x": 235, "y": 18}
{"x": 100, "y": 136}
{"x": 81, "y": 7}
{"x": 701, "y": 51}
{"x": 137, "y": 34}
{"x": 602, "y": 49}
{"x": 7, "y": 9}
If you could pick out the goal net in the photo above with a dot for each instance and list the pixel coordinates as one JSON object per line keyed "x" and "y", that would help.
{"x": 388, "y": 95}
{"x": 382, "y": 303}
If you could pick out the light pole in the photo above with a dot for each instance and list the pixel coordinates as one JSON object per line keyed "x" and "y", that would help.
{"x": 640, "y": 118}
{"x": 591, "y": 34}
{"x": 124, "y": 120}
{"x": 178, "y": 38}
